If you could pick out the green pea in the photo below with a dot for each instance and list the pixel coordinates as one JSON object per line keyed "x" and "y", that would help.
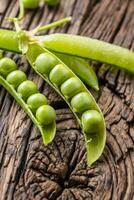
{"x": 16, "y": 77}
{"x": 45, "y": 115}
{"x": 27, "y": 88}
{"x": 91, "y": 121}
{"x": 31, "y": 4}
{"x": 59, "y": 74}
{"x": 45, "y": 62}
{"x": 82, "y": 102}
{"x": 52, "y": 2}
{"x": 7, "y": 65}
{"x": 35, "y": 101}
{"x": 71, "y": 87}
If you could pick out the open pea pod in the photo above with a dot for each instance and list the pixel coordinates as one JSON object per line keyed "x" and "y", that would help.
{"x": 9, "y": 77}
{"x": 71, "y": 89}
{"x": 81, "y": 68}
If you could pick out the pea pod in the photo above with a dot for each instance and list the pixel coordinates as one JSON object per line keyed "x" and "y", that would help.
{"x": 89, "y": 48}
{"x": 81, "y": 68}
{"x": 68, "y": 85}
{"x": 75, "y": 45}
{"x": 26, "y": 94}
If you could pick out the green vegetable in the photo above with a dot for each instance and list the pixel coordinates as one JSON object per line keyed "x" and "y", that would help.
{"x": 35, "y": 101}
{"x": 52, "y": 2}
{"x": 68, "y": 89}
{"x": 15, "y": 78}
{"x": 91, "y": 121}
{"x": 71, "y": 87}
{"x": 74, "y": 45}
{"x": 45, "y": 115}
{"x": 93, "y": 49}
{"x": 81, "y": 68}
{"x": 31, "y": 4}
{"x": 33, "y": 55}
{"x": 82, "y": 102}
{"x": 27, "y": 88}
{"x": 7, "y": 65}
{"x": 59, "y": 74}
{"x": 45, "y": 67}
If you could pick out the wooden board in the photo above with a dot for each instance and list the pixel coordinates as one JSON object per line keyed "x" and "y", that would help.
{"x": 31, "y": 171}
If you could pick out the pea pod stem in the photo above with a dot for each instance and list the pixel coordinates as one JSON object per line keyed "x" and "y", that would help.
{"x": 47, "y": 132}
{"x": 54, "y": 24}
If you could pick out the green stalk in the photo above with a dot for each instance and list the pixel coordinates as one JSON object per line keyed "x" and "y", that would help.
{"x": 54, "y": 24}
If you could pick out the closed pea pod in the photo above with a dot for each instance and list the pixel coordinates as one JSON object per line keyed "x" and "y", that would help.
{"x": 27, "y": 88}
{"x": 79, "y": 46}
{"x": 68, "y": 89}
{"x": 89, "y": 48}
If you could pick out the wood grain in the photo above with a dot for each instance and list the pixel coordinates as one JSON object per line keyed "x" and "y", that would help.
{"x": 31, "y": 171}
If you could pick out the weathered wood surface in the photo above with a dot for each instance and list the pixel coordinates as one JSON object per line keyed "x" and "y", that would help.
{"x": 31, "y": 171}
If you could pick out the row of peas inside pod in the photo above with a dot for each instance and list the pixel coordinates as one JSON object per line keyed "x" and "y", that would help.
{"x": 81, "y": 102}
{"x": 15, "y": 81}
